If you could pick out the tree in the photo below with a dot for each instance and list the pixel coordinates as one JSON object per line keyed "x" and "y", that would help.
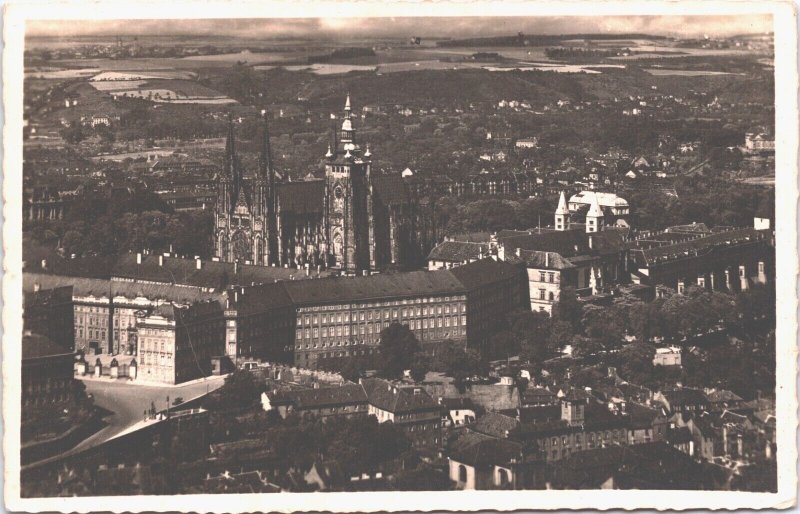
{"x": 423, "y": 478}
{"x": 503, "y": 345}
{"x": 585, "y": 346}
{"x": 240, "y": 391}
{"x": 420, "y": 367}
{"x": 568, "y": 309}
{"x": 397, "y": 348}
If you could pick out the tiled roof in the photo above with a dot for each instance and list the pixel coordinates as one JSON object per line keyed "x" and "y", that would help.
{"x": 495, "y": 424}
{"x": 302, "y": 197}
{"x": 722, "y": 395}
{"x": 478, "y": 451}
{"x": 485, "y": 272}
{"x": 544, "y": 260}
{"x": 458, "y": 251}
{"x": 347, "y": 394}
{"x": 397, "y": 399}
{"x": 472, "y": 237}
{"x": 537, "y": 394}
{"x": 348, "y": 289}
{"x": 98, "y": 288}
{"x": 212, "y": 274}
{"x": 260, "y": 298}
{"x": 35, "y": 346}
{"x": 699, "y": 246}
{"x": 685, "y": 396}
{"x": 567, "y": 243}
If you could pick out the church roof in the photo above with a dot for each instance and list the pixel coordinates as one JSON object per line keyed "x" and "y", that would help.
{"x": 302, "y": 197}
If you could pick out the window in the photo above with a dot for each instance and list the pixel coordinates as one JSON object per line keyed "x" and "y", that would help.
{"x": 541, "y": 276}
{"x": 541, "y": 294}
{"x": 462, "y": 473}
{"x": 551, "y": 277}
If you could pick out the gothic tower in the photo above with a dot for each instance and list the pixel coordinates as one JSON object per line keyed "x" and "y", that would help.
{"x": 267, "y": 243}
{"x": 347, "y": 200}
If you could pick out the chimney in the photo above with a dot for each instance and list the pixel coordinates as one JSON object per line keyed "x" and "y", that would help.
{"x": 546, "y": 259}
{"x": 36, "y": 287}
{"x": 235, "y": 267}
{"x": 198, "y": 264}
{"x": 44, "y": 263}
{"x": 160, "y": 260}
{"x": 138, "y": 257}
{"x": 519, "y": 252}
{"x": 591, "y": 241}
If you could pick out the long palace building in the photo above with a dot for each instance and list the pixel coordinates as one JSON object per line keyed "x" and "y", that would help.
{"x": 352, "y": 219}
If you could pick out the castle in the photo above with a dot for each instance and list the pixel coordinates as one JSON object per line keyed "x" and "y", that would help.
{"x": 352, "y": 220}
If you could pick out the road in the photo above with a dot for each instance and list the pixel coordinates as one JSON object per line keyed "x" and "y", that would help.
{"x": 128, "y": 402}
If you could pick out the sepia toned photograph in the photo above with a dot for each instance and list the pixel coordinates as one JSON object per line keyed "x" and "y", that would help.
{"x": 371, "y": 253}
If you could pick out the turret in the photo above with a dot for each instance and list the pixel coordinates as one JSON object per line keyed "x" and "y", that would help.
{"x": 594, "y": 218}
{"x": 562, "y": 214}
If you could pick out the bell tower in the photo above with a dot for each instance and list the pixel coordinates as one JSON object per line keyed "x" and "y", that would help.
{"x": 347, "y": 173}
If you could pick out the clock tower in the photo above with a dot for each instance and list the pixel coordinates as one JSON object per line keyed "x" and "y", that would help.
{"x": 347, "y": 194}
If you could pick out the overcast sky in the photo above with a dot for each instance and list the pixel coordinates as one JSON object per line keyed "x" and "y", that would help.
{"x": 688, "y": 26}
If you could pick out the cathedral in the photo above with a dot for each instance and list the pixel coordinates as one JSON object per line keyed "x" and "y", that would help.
{"x": 352, "y": 219}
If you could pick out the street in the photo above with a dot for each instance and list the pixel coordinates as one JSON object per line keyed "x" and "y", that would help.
{"x": 128, "y": 402}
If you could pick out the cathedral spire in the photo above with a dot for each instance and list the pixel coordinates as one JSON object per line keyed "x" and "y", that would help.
{"x": 230, "y": 150}
{"x": 347, "y": 108}
{"x": 266, "y": 154}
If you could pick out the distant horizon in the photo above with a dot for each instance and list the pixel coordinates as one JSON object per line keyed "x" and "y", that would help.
{"x": 395, "y": 27}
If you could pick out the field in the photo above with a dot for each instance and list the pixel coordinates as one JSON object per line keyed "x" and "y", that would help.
{"x": 150, "y": 87}
{"x": 688, "y": 73}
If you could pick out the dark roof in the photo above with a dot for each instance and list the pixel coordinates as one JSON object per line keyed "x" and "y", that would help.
{"x": 350, "y": 289}
{"x": 458, "y": 251}
{"x": 567, "y": 243}
{"x": 478, "y": 451}
{"x": 722, "y": 395}
{"x": 679, "y": 435}
{"x": 486, "y": 271}
{"x": 456, "y": 403}
{"x": 685, "y": 396}
{"x": 699, "y": 246}
{"x": 35, "y": 346}
{"x": 537, "y": 394}
{"x": 47, "y": 296}
{"x": 539, "y": 414}
{"x": 544, "y": 260}
{"x": 302, "y": 197}
{"x": 260, "y": 298}
{"x": 495, "y": 424}
{"x": 211, "y": 275}
{"x": 397, "y": 399}
{"x": 472, "y": 237}
{"x": 82, "y": 287}
{"x": 324, "y": 397}
{"x": 105, "y": 288}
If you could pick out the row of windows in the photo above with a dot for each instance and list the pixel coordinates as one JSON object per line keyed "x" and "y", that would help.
{"x": 547, "y": 277}
{"x": 91, "y": 333}
{"x": 309, "y": 319}
{"x": 393, "y": 303}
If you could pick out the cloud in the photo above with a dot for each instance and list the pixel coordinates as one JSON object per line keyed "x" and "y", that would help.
{"x": 687, "y": 26}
